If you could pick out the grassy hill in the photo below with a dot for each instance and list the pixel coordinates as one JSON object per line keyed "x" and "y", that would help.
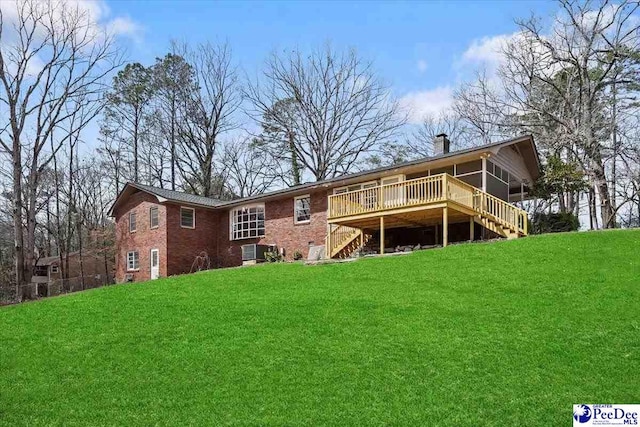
{"x": 474, "y": 334}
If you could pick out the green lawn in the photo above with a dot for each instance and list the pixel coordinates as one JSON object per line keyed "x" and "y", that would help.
{"x": 476, "y": 334}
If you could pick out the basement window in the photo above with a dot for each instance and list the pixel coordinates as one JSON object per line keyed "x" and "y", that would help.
{"x": 132, "y": 222}
{"x": 247, "y": 222}
{"x": 153, "y": 217}
{"x": 133, "y": 261}
{"x": 187, "y": 218}
{"x": 302, "y": 209}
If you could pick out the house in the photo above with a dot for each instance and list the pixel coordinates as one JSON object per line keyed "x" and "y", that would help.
{"x": 93, "y": 268}
{"x": 451, "y": 196}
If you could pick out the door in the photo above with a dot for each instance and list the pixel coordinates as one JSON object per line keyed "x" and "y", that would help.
{"x": 155, "y": 264}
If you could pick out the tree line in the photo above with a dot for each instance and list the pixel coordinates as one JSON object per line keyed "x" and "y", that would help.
{"x": 194, "y": 121}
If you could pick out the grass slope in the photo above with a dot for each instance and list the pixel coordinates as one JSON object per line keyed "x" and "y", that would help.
{"x": 482, "y": 334}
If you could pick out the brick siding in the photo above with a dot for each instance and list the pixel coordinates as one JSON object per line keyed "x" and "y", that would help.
{"x": 180, "y": 246}
{"x": 143, "y": 239}
{"x": 280, "y": 230}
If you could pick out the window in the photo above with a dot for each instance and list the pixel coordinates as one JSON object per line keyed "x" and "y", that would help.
{"x": 132, "y": 222}
{"x": 133, "y": 260}
{"x": 355, "y": 187}
{"x": 187, "y": 218}
{"x": 498, "y": 172}
{"x": 247, "y": 222}
{"x": 54, "y": 269}
{"x": 302, "y": 209}
{"x": 153, "y": 217}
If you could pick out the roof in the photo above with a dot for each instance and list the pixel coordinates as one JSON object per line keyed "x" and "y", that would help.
{"x": 164, "y": 195}
{"x": 49, "y": 260}
{"x": 177, "y": 196}
{"x": 526, "y": 141}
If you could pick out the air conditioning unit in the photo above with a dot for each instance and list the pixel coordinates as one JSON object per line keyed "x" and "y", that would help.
{"x": 254, "y": 252}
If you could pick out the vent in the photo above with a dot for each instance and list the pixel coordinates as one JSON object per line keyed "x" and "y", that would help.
{"x": 254, "y": 252}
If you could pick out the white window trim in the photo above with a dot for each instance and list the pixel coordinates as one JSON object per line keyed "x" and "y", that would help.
{"x": 127, "y": 261}
{"x": 254, "y": 205}
{"x": 136, "y": 216}
{"x": 493, "y": 169}
{"x": 54, "y": 269}
{"x": 469, "y": 173}
{"x": 151, "y": 226}
{"x": 295, "y": 214}
{"x": 400, "y": 176}
{"x": 194, "y": 217}
{"x": 362, "y": 185}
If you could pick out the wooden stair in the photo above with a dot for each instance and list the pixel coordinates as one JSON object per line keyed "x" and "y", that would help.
{"x": 499, "y": 229}
{"x": 343, "y": 241}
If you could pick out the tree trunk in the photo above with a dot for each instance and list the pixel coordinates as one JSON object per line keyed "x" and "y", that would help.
{"x": 80, "y": 255}
{"x": 614, "y": 142}
{"x": 295, "y": 168}
{"x": 17, "y": 215}
{"x": 593, "y": 216}
{"x": 135, "y": 149}
{"x": 606, "y": 210}
{"x": 173, "y": 144}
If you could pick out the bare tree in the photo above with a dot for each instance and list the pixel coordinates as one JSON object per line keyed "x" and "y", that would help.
{"x": 421, "y": 144}
{"x": 576, "y": 65}
{"x": 341, "y": 109}
{"x": 173, "y": 81}
{"x": 52, "y": 56}
{"x": 479, "y": 106}
{"x": 127, "y": 109}
{"x": 207, "y": 114}
{"x": 249, "y": 171}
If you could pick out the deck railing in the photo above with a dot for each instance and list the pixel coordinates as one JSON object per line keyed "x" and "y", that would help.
{"x": 425, "y": 191}
{"x": 338, "y": 236}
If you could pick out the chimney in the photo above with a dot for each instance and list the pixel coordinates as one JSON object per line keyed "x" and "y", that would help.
{"x": 441, "y": 144}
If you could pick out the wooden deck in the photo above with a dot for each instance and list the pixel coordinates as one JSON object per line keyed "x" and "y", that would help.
{"x": 437, "y": 199}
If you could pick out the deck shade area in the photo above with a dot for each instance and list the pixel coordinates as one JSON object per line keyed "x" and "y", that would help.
{"x": 437, "y": 199}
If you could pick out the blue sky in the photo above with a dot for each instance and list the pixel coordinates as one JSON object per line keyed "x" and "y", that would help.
{"x": 420, "y": 48}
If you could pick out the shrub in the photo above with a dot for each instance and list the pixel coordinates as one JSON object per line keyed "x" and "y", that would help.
{"x": 554, "y": 223}
{"x": 273, "y": 256}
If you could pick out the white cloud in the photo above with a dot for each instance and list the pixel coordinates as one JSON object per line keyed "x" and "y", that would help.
{"x": 96, "y": 12}
{"x": 432, "y": 101}
{"x": 422, "y": 65}
{"x": 125, "y": 26}
{"x": 487, "y": 51}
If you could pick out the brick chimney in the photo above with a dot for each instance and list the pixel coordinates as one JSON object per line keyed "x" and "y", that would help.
{"x": 441, "y": 144}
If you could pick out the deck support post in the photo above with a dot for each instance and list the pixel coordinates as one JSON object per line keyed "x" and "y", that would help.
{"x": 445, "y": 226}
{"x": 484, "y": 173}
{"x": 471, "y": 228}
{"x": 381, "y": 235}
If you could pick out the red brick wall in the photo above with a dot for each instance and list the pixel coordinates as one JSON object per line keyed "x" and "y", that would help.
{"x": 185, "y": 244}
{"x": 180, "y": 246}
{"x": 143, "y": 239}
{"x": 280, "y": 230}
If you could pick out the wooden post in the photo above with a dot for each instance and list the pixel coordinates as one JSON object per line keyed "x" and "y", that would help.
{"x": 471, "y": 228}
{"x": 381, "y": 235}
{"x": 484, "y": 174}
{"x": 445, "y": 226}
